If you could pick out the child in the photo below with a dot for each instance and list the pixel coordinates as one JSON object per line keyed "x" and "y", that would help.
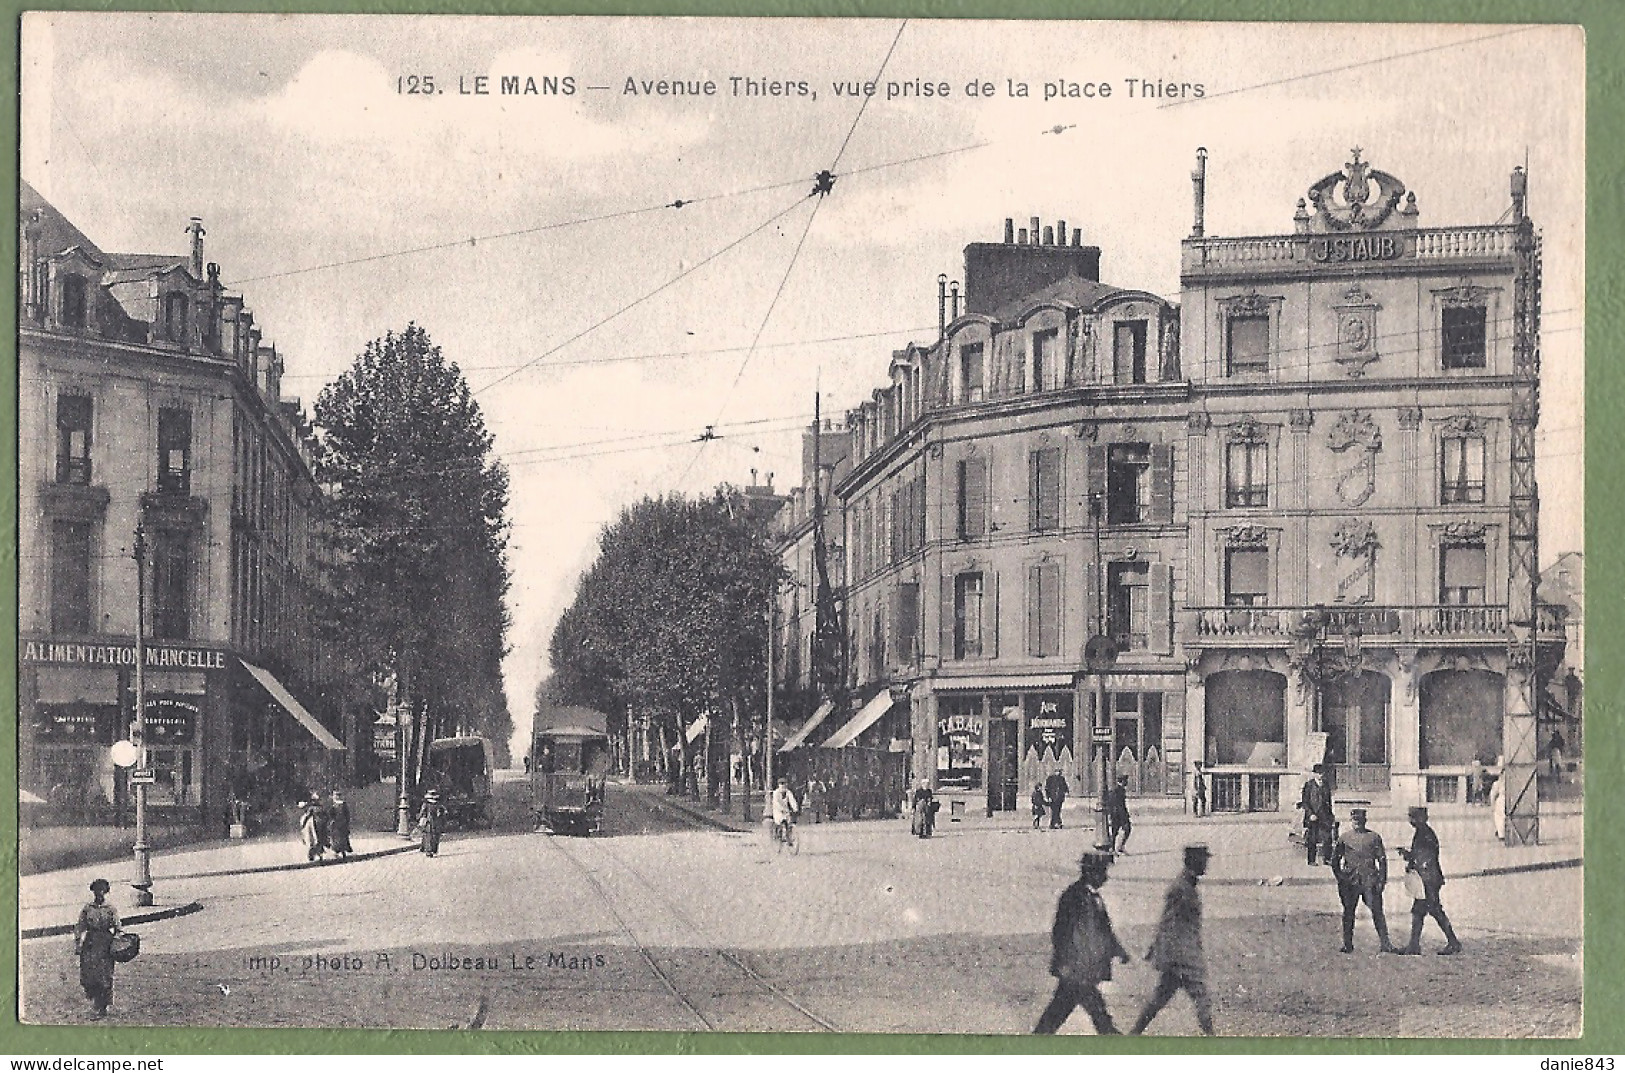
{"x": 1040, "y": 803}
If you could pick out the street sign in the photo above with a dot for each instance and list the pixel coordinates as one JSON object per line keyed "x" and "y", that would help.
{"x": 1099, "y": 654}
{"x": 142, "y": 776}
{"x": 1102, "y": 734}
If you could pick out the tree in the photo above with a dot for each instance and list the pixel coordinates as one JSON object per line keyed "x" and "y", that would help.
{"x": 670, "y": 619}
{"x": 418, "y": 513}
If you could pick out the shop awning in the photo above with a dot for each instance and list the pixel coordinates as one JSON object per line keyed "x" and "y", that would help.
{"x": 294, "y": 708}
{"x": 867, "y": 716}
{"x": 809, "y": 726}
{"x": 698, "y": 728}
{"x": 1003, "y": 685}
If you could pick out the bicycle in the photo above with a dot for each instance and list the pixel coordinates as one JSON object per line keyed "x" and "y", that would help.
{"x": 784, "y": 835}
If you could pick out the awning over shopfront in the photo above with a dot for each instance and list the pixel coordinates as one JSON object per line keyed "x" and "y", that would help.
{"x": 698, "y": 728}
{"x": 1003, "y": 685}
{"x": 809, "y": 726}
{"x": 294, "y": 708}
{"x": 867, "y": 716}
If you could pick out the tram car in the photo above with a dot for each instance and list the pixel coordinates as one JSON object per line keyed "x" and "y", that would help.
{"x": 460, "y": 768}
{"x": 569, "y": 768}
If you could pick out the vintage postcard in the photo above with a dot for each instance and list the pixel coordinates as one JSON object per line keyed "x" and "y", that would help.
{"x": 771, "y": 525}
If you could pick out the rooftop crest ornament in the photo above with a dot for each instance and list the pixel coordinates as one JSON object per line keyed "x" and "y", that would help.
{"x": 1359, "y": 208}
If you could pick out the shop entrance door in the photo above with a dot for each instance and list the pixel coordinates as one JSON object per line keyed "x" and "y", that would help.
{"x": 1137, "y": 741}
{"x": 1357, "y": 747}
{"x": 1003, "y": 774}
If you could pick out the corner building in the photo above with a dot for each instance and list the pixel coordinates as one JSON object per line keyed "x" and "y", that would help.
{"x": 1361, "y": 499}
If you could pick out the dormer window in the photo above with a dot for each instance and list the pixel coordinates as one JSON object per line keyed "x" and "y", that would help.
{"x": 1128, "y": 352}
{"x": 970, "y": 372}
{"x": 1044, "y": 350}
{"x": 75, "y": 302}
{"x": 175, "y": 317}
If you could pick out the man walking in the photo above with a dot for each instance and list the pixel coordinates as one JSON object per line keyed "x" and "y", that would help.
{"x": 1199, "y": 791}
{"x": 1118, "y": 824}
{"x": 1055, "y": 790}
{"x": 1360, "y": 864}
{"x": 1423, "y": 859}
{"x": 1316, "y": 803}
{"x": 1084, "y": 946}
{"x": 1177, "y": 949}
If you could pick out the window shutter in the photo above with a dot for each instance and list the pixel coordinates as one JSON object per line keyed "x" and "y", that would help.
{"x": 945, "y": 625}
{"x": 1096, "y": 474}
{"x": 1162, "y": 483}
{"x": 1160, "y": 613}
{"x": 975, "y": 494}
{"x": 919, "y": 511}
{"x": 1049, "y": 609}
{"x": 1091, "y": 597}
{"x": 1035, "y": 464}
{"x": 895, "y": 526}
{"x": 990, "y": 615}
{"x": 1035, "y": 581}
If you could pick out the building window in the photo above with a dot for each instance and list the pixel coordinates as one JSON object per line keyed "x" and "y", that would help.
{"x": 1248, "y": 347}
{"x": 1044, "y": 609}
{"x": 174, "y": 451}
{"x": 1044, "y": 346}
{"x": 1246, "y": 475}
{"x": 1461, "y": 469}
{"x": 75, "y": 302}
{"x": 967, "y": 615}
{"x": 972, "y": 499}
{"x": 1246, "y": 577}
{"x": 73, "y": 439}
{"x": 1461, "y": 574}
{"x": 877, "y": 646}
{"x": 1128, "y": 605}
{"x": 70, "y": 577}
{"x": 1044, "y": 489}
{"x": 1128, "y": 483}
{"x": 175, "y": 317}
{"x": 1463, "y": 331}
{"x": 908, "y": 623}
{"x": 1128, "y": 352}
{"x": 171, "y": 586}
{"x": 970, "y": 372}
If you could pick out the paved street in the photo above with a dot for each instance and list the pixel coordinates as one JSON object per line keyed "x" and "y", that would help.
{"x": 669, "y": 924}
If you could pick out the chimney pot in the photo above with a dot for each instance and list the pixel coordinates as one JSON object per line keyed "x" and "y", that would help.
{"x": 1009, "y": 230}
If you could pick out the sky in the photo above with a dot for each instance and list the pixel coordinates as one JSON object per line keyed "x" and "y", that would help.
{"x": 602, "y": 329}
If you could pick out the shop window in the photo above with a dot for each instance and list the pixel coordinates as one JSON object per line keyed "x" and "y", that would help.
{"x": 1128, "y": 483}
{"x": 73, "y": 414}
{"x": 1246, "y": 719}
{"x": 70, "y": 577}
{"x": 1128, "y": 352}
{"x": 175, "y": 317}
{"x": 1459, "y": 718}
{"x": 1128, "y": 591}
{"x": 960, "y": 755}
{"x": 174, "y": 451}
{"x": 1461, "y": 470}
{"x": 1044, "y": 609}
{"x": 1246, "y": 577}
{"x": 1463, "y": 331}
{"x": 968, "y": 600}
{"x": 972, "y": 495}
{"x": 171, "y": 586}
{"x": 1246, "y": 475}
{"x": 1247, "y": 344}
{"x": 1044, "y": 350}
{"x": 908, "y": 623}
{"x": 1462, "y": 574}
{"x": 75, "y": 301}
{"x": 970, "y": 372}
{"x": 1044, "y": 489}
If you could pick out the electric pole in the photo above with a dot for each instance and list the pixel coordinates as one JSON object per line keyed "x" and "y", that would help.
{"x": 138, "y": 731}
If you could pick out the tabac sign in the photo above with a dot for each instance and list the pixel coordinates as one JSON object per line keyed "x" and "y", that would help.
{"x": 159, "y": 657}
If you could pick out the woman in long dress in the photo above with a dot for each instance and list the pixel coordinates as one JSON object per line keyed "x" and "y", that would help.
{"x": 93, "y": 943}
{"x": 429, "y": 821}
{"x": 312, "y": 824}
{"x": 338, "y": 825}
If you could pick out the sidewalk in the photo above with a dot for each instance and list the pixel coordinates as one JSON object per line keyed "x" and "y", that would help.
{"x": 49, "y": 902}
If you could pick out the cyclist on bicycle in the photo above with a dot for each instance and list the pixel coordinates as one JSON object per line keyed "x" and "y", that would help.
{"x": 784, "y": 810}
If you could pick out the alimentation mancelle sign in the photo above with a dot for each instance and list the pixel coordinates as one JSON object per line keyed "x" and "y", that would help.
{"x": 167, "y": 657}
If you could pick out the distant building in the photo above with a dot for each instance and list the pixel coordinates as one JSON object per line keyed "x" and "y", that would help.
{"x": 1299, "y": 504}
{"x": 149, "y": 399}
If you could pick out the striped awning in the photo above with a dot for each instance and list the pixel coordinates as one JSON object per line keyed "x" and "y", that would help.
{"x": 698, "y": 728}
{"x": 867, "y": 716}
{"x": 1007, "y": 684}
{"x": 809, "y": 726}
{"x": 280, "y": 693}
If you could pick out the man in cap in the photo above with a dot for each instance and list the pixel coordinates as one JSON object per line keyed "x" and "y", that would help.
{"x": 1177, "y": 949}
{"x": 1361, "y": 865}
{"x": 1316, "y": 803}
{"x": 1084, "y": 946}
{"x": 1423, "y": 859}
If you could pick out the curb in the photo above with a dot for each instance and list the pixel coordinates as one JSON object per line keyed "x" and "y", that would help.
{"x": 135, "y": 918}
{"x": 297, "y": 866}
{"x": 697, "y": 815}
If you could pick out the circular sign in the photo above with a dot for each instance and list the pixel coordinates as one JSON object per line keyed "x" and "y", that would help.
{"x": 125, "y": 754}
{"x": 1099, "y": 653}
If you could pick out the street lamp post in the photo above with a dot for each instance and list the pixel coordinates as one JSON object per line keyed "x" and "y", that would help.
{"x": 143, "y": 854}
{"x": 1098, "y": 659}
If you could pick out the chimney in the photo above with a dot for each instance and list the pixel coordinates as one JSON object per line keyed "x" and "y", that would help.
{"x": 1520, "y": 192}
{"x": 942, "y": 305}
{"x": 1034, "y": 230}
{"x": 1049, "y": 236}
{"x": 1199, "y": 191}
{"x": 955, "y": 303}
{"x": 1060, "y": 232}
{"x": 1077, "y": 238}
{"x": 195, "y": 229}
{"x": 34, "y": 291}
{"x": 1022, "y": 240}
{"x": 1009, "y": 230}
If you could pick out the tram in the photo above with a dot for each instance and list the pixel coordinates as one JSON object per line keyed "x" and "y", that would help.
{"x": 569, "y": 768}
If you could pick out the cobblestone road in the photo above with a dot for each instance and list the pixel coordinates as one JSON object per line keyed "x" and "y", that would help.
{"x": 667, "y": 925}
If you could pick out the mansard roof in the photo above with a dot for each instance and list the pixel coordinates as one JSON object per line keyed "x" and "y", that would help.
{"x": 1071, "y": 290}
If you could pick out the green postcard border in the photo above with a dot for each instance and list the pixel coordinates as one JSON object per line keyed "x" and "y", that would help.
{"x": 1604, "y": 22}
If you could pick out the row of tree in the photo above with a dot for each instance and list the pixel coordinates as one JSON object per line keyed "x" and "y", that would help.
{"x": 669, "y": 624}
{"x": 417, "y": 514}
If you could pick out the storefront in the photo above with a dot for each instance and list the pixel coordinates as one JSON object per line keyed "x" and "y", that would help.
{"x": 992, "y": 744}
